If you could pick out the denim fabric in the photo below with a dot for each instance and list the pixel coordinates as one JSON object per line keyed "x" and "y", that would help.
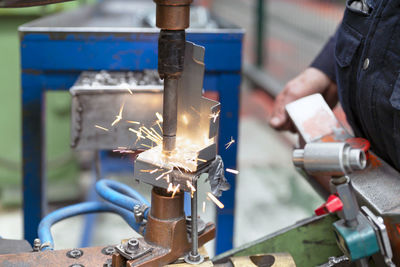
{"x": 370, "y": 95}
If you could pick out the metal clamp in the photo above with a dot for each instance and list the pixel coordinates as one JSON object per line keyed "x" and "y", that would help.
{"x": 133, "y": 249}
{"x": 381, "y": 234}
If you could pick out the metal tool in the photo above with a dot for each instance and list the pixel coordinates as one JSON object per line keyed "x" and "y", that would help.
{"x": 356, "y": 232}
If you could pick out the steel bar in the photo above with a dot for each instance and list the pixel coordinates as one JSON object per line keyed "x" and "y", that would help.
{"x": 195, "y": 237}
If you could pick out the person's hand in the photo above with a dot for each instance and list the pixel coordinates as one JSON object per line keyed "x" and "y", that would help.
{"x": 309, "y": 82}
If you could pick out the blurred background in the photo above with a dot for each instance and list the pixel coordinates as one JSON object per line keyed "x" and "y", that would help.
{"x": 282, "y": 37}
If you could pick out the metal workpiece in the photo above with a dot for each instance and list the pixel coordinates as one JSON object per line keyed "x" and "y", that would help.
{"x": 316, "y": 119}
{"x": 196, "y": 133}
{"x": 335, "y": 159}
{"x": 98, "y": 97}
{"x": 173, "y": 14}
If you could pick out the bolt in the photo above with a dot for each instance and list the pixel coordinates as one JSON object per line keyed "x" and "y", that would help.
{"x": 36, "y": 244}
{"x": 108, "y": 250}
{"x": 75, "y": 253}
{"x": 132, "y": 245}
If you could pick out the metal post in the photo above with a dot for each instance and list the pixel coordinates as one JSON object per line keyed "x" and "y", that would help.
{"x": 195, "y": 237}
{"x": 259, "y": 26}
{"x": 194, "y": 257}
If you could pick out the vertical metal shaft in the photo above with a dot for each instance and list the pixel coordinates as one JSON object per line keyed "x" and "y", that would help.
{"x": 194, "y": 257}
{"x": 170, "y": 114}
{"x": 195, "y": 234}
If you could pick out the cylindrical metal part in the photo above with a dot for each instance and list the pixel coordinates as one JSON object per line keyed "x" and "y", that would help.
{"x": 171, "y": 53}
{"x": 335, "y": 159}
{"x": 173, "y": 14}
{"x": 165, "y": 207}
{"x": 170, "y": 114}
{"x": 195, "y": 233}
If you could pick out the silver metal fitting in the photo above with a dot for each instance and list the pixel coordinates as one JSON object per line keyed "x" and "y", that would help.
{"x": 36, "y": 244}
{"x": 132, "y": 245}
{"x": 138, "y": 211}
{"x": 334, "y": 159}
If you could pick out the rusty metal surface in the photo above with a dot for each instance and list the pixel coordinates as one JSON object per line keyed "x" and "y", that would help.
{"x": 172, "y": 14}
{"x": 91, "y": 257}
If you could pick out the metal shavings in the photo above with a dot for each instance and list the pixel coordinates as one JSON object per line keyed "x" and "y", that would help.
{"x": 101, "y": 127}
{"x": 215, "y": 200}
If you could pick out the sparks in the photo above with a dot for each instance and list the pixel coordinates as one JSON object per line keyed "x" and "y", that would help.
{"x": 138, "y": 133}
{"x": 102, "y": 128}
{"x": 189, "y": 184}
{"x": 133, "y": 122}
{"x": 146, "y": 171}
{"x": 176, "y": 189}
{"x": 159, "y": 117}
{"x": 185, "y": 119}
{"x": 214, "y": 116}
{"x": 170, "y": 188}
{"x": 215, "y": 200}
{"x": 163, "y": 174}
{"x": 154, "y": 171}
{"x": 232, "y": 171}
{"x": 204, "y": 206}
{"x": 119, "y": 116}
{"x": 227, "y": 145}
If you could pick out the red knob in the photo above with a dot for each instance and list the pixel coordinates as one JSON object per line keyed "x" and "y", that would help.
{"x": 333, "y": 204}
{"x": 360, "y": 143}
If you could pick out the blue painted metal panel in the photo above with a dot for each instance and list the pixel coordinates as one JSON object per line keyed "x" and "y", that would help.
{"x": 229, "y": 93}
{"x": 98, "y": 52}
{"x": 33, "y": 149}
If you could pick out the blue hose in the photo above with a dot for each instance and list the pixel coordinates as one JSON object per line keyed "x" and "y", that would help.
{"x": 120, "y": 195}
{"x": 122, "y": 200}
{"x": 78, "y": 209}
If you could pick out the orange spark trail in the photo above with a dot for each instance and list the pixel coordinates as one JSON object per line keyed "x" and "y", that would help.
{"x": 215, "y": 200}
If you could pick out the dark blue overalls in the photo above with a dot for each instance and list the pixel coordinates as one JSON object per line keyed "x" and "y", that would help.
{"x": 366, "y": 68}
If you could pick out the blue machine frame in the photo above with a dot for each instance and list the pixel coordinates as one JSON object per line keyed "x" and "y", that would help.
{"x": 53, "y": 58}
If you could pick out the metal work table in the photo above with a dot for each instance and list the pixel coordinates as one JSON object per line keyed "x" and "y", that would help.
{"x": 56, "y": 49}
